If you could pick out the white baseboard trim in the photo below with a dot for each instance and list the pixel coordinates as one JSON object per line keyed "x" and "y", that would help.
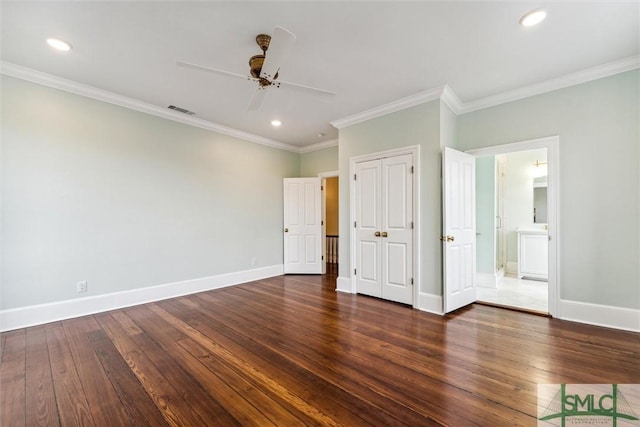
{"x": 430, "y": 303}
{"x": 343, "y": 284}
{"x": 487, "y": 280}
{"x": 600, "y": 315}
{"x": 23, "y": 317}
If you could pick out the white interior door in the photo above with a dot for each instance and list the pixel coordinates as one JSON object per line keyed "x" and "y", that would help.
{"x": 397, "y": 224}
{"x": 302, "y": 226}
{"x": 384, "y": 221}
{"x": 459, "y": 229}
{"x": 368, "y": 224}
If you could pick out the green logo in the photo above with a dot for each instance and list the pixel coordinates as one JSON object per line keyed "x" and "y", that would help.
{"x": 587, "y": 404}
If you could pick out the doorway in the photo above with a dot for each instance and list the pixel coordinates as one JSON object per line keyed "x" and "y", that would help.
{"x": 330, "y": 184}
{"x": 517, "y": 225}
{"x": 511, "y": 230}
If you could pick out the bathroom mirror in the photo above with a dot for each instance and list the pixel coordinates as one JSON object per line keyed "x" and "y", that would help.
{"x": 540, "y": 204}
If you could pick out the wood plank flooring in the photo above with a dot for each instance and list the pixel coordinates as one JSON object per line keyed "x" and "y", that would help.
{"x": 290, "y": 351}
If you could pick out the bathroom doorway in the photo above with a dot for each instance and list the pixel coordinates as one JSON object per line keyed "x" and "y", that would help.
{"x": 516, "y": 220}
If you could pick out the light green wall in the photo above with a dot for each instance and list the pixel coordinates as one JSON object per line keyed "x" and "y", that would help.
{"x": 448, "y": 127}
{"x": 315, "y": 162}
{"x": 418, "y": 125}
{"x": 125, "y": 200}
{"x": 598, "y": 126}
{"x": 485, "y": 215}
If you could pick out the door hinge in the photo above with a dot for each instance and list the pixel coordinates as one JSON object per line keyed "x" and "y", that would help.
{"x": 412, "y": 280}
{"x": 321, "y": 222}
{"x": 321, "y": 188}
{"x": 411, "y": 169}
{"x": 354, "y": 177}
{"x": 412, "y": 225}
{"x": 322, "y": 259}
{"x": 355, "y": 271}
{"x": 354, "y": 224}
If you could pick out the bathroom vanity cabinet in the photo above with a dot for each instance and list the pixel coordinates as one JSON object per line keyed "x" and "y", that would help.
{"x": 533, "y": 254}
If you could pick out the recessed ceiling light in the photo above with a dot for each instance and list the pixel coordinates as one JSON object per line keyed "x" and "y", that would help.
{"x": 59, "y": 44}
{"x": 275, "y": 123}
{"x": 533, "y": 18}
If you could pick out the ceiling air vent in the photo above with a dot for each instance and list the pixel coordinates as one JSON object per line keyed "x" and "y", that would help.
{"x": 181, "y": 110}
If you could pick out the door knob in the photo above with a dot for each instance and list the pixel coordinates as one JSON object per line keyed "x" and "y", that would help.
{"x": 286, "y": 230}
{"x": 384, "y": 234}
{"x": 377, "y": 234}
{"x": 450, "y": 238}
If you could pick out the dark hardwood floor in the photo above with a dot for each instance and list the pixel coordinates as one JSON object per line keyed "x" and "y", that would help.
{"x": 291, "y": 351}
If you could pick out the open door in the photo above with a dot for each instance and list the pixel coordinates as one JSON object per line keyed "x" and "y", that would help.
{"x": 302, "y": 226}
{"x": 459, "y": 229}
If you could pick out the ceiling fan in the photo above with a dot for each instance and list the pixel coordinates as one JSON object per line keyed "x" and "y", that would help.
{"x": 264, "y": 68}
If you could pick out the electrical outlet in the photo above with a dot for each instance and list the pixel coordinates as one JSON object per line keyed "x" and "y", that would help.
{"x": 82, "y": 286}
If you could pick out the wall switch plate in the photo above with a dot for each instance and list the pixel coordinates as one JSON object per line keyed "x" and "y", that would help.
{"x": 82, "y": 286}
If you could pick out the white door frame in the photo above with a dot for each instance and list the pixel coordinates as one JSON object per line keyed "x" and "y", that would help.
{"x": 414, "y": 150}
{"x": 552, "y": 144}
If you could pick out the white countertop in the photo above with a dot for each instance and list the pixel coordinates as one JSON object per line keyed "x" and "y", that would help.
{"x": 528, "y": 230}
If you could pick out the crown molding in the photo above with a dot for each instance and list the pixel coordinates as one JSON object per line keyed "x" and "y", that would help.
{"x": 451, "y": 99}
{"x": 71, "y": 86}
{"x": 391, "y": 107}
{"x": 572, "y": 79}
{"x": 448, "y": 96}
{"x": 319, "y": 146}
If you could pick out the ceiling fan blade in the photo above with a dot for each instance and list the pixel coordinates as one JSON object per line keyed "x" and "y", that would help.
{"x": 214, "y": 70}
{"x": 256, "y": 98}
{"x": 281, "y": 43}
{"x": 308, "y": 89}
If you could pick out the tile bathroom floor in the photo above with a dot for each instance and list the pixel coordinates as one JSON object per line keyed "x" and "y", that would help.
{"x": 527, "y": 294}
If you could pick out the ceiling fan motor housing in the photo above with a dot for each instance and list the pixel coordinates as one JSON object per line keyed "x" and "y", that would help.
{"x": 255, "y": 65}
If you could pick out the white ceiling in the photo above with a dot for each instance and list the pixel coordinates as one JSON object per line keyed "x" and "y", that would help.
{"x": 369, "y": 53}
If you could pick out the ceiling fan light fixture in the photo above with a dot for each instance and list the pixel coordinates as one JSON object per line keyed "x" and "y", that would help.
{"x": 533, "y": 17}
{"x": 59, "y": 44}
{"x": 276, "y": 123}
{"x": 263, "y": 41}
